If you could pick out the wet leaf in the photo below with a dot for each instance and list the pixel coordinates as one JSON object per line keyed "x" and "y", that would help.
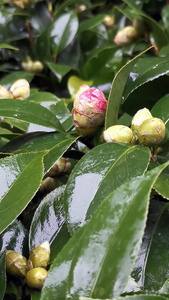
{"x": 133, "y": 297}
{"x": 30, "y": 112}
{"x": 21, "y": 176}
{"x": 15, "y": 238}
{"x": 55, "y": 283}
{"x": 92, "y": 178}
{"x": 58, "y": 70}
{"x": 48, "y": 221}
{"x": 63, "y": 114}
{"x": 116, "y": 92}
{"x": 8, "y": 80}
{"x": 111, "y": 241}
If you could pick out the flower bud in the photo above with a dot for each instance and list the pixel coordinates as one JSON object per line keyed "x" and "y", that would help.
{"x": 61, "y": 166}
{"x": 89, "y": 110}
{"x": 15, "y": 263}
{"x": 20, "y": 89}
{"x": 151, "y": 132}
{"x": 125, "y": 36}
{"x": 119, "y": 134}
{"x": 81, "y": 8}
{"x": 47, "y": 185}
{"x": 108, "y": 21}
{"x": 40, "y": 256}
{"x": 4, "y": 93}
{"x": 35, "y": 278}
{"x": 27, "y": 65}
{"x": 142, "y": 115}
{"x": 37, "y": 66}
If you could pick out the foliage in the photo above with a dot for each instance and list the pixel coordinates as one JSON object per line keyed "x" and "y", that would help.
{"x": 107, "y": 219}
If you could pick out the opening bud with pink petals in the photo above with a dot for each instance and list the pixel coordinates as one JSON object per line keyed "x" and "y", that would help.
{"x": 89, "y": 110}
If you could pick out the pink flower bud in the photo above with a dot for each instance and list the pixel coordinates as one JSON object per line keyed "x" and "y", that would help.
{"x": 125, "y": 36}
{"x": 89, "y": 110}
{"x": 20, "y": 89}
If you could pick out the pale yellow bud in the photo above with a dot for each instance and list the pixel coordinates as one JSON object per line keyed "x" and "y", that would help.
{"x": 35, "y": 278}
{"x": 40, "y": 256}
{"x": 142, "y": 115}
{"x": 119, "y": 134}
{"x": 20, "y": 89}
{"x": 108, "y": 21}
{"x": 125, "y": 36}
{"x": 151, "y": 132}
{"x": 37, "y": 66}
{"x": 4, "y": 93}
{"x": 15, "y": 263}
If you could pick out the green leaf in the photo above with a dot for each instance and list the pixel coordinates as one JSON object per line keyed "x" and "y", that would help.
{"x": 161, "y": 185}
{"x": 8, "y": 80}
{"x": 35, "y": 296}
{"x": 56, "y": 144}
{"x": 74, "y": 84}
{"x": 116, "y": 92}
{"x": 165, "y": 288}
{"x": 131, "y": 163}
{"x": 91, "y": 23}
{"x": 21, "y": 176}
{"x": 48, "y": 222}
{"x": 155, "y": 274}
{"x": 30, "y": 112}
{"x": 145, "y": 70}
{"x": 111, "y": 240}
{"x": 41, "y": 97}
{"x": 8, "y": 46}
{"x": 133, "y": 297}
{"x": 63, "y": 30}
{"x": 2, "y": 274}
{"x": 58, "y": 70}
{"x": 63, "y": 114}
{"x": 55, "y": 283}
{"x": 15, "y": 238}
{"x": 91, "y": 179}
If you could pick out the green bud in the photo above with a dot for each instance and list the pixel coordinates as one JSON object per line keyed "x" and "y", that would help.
{"x": 151, "y": 132}
{"x": 119, "y": 134}
{"x": 35, "y": 278}
{"x": 142, "y": 115}
{"x": 37, "y": 66}
{"x": 15, "y": 263}
{"x": 40, "y": 256}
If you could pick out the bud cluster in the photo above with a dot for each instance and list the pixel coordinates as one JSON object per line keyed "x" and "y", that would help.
{"x": 61, "y": 166}
{"x": 22, "y": 3}
{"x": 34, "y": 270}
{"x": 20, "y": 89}
{"x": 32, "y": 66}
{"x": 145, "y": 130}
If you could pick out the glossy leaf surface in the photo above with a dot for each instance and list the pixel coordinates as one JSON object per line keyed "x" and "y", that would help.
{"x": 158, "y": 250}
{"x": 55, "y": 283}
{"x": 59, "y": 70}
{"x": 63, "y": 114}
{"x": 15, "y": 238}
{"x": 20, "y": 179}
{"x": 63, "y": 30}
{"x": 30, "y": 112}
{"x": 145, "y": 70}
{"x": 48, "y": 221}
{"x": 116, "y": 92}
{"x": 8, "y": 80}
{"x": 92, "y": 178}
{"x": 133, "y": 297}
{"x": 110, "y": 242}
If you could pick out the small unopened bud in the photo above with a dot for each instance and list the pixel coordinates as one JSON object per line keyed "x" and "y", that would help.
{"x": 20, "y": 89}
{"x": 35, "y": 278}
{"x": 27, "y": 65}
{"x": 40, "y": 256}
{"x": 119, "y": 134}
{"x": 62, "y": 166}
{"x": 4, "y": 93}
{"x": 108, "y": 21}
{"x": 151, "y": 132}
{"x": 37, "y": 66}
{"x": 89, "y": 110}
{"x": 125, "y": 36}
{"x": 15, "y": 263}
{"x": 142, "y": 115}
{"x": 81, "y": 8}
{"x": 47, "y": 185}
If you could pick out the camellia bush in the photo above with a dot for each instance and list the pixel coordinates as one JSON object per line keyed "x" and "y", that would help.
{"x": 84, "y": 149}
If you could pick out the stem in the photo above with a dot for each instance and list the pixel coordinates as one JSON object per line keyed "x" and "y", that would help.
{"x": 50, "y": 9}
{"x": 29, "y": 32}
